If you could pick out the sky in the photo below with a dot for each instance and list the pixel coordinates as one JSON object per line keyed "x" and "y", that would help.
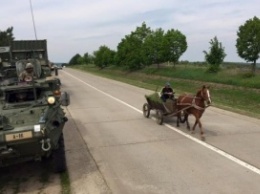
{"x": 81, "y": 26}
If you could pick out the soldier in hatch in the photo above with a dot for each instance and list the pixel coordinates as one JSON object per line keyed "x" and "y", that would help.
{"x": 28, "y": 74}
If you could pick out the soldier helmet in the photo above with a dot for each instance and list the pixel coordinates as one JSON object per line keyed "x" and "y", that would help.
{"x": 28, "y": 66}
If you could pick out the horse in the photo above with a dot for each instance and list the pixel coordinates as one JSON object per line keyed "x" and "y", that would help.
{"x": 195, "y": 105}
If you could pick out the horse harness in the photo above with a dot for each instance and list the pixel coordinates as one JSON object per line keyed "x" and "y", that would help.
{"x": 193, "y": 103}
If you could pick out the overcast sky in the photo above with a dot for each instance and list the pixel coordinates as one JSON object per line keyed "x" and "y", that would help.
{"x": 80, "y": 26}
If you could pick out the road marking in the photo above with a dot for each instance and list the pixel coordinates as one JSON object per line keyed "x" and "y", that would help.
{"x": 221, "y": 152}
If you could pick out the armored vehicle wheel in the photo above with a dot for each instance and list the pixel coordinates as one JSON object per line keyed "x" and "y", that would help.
{"x": 59, "y": 158}
{"x": 146, "y": 110}
{"x": 159, "y": 117}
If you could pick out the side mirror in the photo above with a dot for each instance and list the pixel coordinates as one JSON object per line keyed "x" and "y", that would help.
{"x": 65, "y": 99}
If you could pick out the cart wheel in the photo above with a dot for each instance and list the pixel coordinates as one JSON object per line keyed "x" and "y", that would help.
{"x": 146, "y": 110}
{"x": 159, "y": 117}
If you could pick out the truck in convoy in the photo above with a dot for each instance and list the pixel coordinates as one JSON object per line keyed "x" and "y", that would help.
{"x": 25, "y": 49}
{"x": 19, "y": 50}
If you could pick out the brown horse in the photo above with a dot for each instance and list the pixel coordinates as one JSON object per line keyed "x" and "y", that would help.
{"x": 194, "y": 105}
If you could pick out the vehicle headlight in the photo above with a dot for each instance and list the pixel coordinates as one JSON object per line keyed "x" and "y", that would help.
{"x": 51, "y": 100}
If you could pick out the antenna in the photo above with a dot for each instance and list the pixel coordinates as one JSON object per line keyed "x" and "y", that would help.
{"x": 33, "y": 19}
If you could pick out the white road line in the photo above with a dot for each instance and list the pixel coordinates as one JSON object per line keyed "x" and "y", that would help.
{"x": 222, "y": 153}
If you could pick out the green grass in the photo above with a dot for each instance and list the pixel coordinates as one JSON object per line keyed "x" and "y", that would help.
{"x": 231, "y": 89}
{"x": 65, "y": 183}
{"x": 231, "y": 76}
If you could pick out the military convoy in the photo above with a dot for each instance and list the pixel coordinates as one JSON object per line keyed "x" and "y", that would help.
{"x": 31, "y": 113}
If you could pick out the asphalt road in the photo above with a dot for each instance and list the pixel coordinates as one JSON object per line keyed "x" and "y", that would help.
{"x": 112, "y": 148}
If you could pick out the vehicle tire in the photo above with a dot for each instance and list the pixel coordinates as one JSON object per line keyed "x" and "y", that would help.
{"x": 58, "y": 157}
{"x": 159, "y": 117}
{"x": 146, "y": 110}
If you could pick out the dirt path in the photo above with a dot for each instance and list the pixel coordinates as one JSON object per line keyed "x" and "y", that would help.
{"x": 30, "y": 177}
{"x": 85, "y": 177}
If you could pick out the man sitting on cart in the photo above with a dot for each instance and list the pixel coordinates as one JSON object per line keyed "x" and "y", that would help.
{"x": 167, "y": 92}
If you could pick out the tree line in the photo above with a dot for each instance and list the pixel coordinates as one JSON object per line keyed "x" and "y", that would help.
{"x": 140, "y": 48}
{"x": 144, "y": 47}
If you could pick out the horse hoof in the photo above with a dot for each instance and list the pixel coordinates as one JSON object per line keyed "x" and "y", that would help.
{"x": 203, "y": 138}
{"x": 192, "y": 132}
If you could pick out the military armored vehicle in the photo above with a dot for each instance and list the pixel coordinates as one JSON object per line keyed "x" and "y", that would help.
{"x": 32, "y": 117}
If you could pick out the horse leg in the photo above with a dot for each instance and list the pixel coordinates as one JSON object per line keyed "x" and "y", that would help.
{"x": 201, "y": 131}
{"x": 194, "y": 126}
{"x": 183, "y": 114}
{"x": 187, "y": 121}
{"x": 178, "y": 120}
{"x": 200, "y": 125}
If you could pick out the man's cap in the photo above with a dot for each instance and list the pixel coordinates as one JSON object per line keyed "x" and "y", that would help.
{"x": 167, "y": 84}
{"x": 28, "y": 66}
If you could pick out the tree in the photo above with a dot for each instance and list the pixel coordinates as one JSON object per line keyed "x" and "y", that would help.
{"x": 81, "y": 60}
{"x": 215, "y": 56}
{"x": 86, "y": 58}
{"x": 6, "y": 37}
{"x": 175, "y": 45}
{"x": 153, "y": 47}
{"x": 103, "y": 56}
{"x": 75, "y": 59}
{"x": 248, "y": 41}
{"x": 130, "y": 50}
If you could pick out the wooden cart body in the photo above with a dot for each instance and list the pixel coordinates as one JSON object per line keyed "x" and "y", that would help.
{"x": 160, "y": 109}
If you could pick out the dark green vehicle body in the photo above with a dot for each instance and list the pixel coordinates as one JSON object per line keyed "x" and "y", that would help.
{"x": 31, "y": 116}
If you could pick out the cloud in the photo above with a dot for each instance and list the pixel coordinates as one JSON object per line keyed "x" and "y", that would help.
{"x": 82, "y": 26}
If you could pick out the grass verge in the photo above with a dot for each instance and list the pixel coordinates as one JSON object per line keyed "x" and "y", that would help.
{"x": 65, "y": 183}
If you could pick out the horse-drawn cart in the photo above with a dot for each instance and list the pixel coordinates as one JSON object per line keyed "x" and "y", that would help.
{"x": 162, "y": 109}
{"x": 185, "y": 105}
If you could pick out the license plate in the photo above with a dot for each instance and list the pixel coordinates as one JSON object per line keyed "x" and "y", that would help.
{"x": 18, "y": 136}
